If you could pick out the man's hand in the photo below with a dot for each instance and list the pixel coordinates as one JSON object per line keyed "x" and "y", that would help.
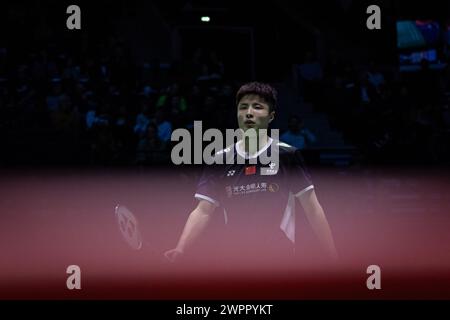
{"x": 173, "y": 254}
{"x": 196, "y": 223}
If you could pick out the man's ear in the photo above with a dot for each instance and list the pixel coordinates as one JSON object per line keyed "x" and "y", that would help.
{"x": 272, "y": 116}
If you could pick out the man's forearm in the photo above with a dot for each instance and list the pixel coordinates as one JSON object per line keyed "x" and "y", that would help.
{"x": 196, "y": 223}
{"x": 319, "y": 224}
{"x": 318, "y": 221}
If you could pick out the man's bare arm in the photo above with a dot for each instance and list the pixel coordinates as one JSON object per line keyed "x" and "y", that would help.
{"x": 318, "y": 221}
{"x": 196, "y": 223}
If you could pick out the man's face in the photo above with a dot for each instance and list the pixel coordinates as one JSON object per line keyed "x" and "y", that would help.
{"x": 253, "y": 112}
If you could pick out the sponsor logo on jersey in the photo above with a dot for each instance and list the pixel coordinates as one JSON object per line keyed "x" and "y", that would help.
{"x": 273, "y": 187}
{"x": 238, "y": 190}
{"x": 231, "y": 173}
{"x": 272, "y": 170}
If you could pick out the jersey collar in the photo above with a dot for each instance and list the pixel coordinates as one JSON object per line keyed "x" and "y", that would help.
{"x": 245, "y": 155}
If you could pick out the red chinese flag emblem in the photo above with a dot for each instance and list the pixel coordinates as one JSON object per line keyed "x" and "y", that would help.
{"x": 250, "y": 170}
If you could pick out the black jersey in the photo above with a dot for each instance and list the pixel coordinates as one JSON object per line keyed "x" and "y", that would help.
{"x": 256, "y": 198}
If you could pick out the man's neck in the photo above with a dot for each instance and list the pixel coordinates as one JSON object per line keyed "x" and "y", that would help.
{"x": 251, "y": 146}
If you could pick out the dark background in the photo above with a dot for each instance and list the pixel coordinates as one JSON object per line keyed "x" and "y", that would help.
{"x": 106, "y": 97}
{"x": 124, "y": 47}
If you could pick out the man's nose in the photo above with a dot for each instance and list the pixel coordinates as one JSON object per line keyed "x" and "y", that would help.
{"x": 249, "y": 113}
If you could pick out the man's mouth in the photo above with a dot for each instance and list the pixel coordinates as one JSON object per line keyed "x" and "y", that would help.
{"x": 248, "y": 122}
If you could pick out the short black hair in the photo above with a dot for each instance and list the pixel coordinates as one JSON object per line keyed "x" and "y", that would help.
{"x": 264, "y": 90}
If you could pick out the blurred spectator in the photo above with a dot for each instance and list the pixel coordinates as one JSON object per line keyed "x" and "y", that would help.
{"x": 226, "y": 105}
{"x": 297, "y": 135}
{"x": 307, "y": 77}
{"x": 164, "y": 127}
{"x": 66, "y": 119}
{"x": 150, "y": 149}
{"x": 123, "y": 135}
{"x": 165, "y": 100}
{"x": 374, "y": 76}
{"x": 217, "y": 67}
{"x": 101, "y": 137}
{"x": 195, "y": 101}
{"x": 71, "y": 71}
{"x": 142, "y": 120}
{"x": 53, "y": 98}
{"x": 209, "y": 113}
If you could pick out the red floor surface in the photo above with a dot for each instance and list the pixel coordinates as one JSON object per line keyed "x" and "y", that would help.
{"x": 398, "y": 220}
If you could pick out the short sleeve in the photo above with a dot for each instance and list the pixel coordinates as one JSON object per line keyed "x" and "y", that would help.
{"x": 208, "y": 186}
{"x": 299, "y": 178}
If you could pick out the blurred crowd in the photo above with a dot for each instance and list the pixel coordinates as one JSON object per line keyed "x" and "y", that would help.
{"x": 391, "y": 116}
{"x": 101, "y": 107}
{"x": 105, "y": 108}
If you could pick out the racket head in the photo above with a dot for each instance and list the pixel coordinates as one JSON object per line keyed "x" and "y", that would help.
{"x": 128, "y": 227}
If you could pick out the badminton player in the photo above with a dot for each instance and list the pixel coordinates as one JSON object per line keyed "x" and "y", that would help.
{"x": 256, "y": 199}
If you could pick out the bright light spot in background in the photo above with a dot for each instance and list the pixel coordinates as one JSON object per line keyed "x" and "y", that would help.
{"x": 205, "y": 19}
